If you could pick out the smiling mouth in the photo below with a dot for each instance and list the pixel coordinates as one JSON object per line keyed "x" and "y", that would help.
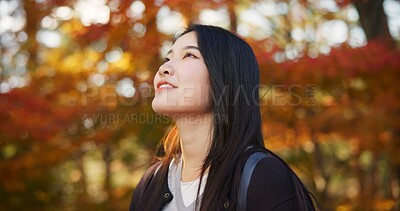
{"x": 165, "y": 86}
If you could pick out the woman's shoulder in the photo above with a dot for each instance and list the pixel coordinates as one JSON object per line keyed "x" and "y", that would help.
{"x": 272, "y": 184}
{"x": 272, "y": 165}
{"x": 270, "y": 170}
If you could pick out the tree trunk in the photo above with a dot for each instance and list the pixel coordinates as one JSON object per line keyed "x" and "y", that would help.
{"x": 107, "y": 185}
{"x": 32, "y": 20}
{"x": 374, "y": 20}
{"x": 319, "y": 164}
{"x": 232, "y": 15}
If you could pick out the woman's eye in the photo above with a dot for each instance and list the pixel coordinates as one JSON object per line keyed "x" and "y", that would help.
{"x": 166, "y": 59}
{"x": 189, "y": 55}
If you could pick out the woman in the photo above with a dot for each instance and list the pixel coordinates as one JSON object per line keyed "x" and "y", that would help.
{"x": 208, "y": 85}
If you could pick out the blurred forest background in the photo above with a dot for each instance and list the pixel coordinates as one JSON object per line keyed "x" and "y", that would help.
{"x": 76, "y": 126}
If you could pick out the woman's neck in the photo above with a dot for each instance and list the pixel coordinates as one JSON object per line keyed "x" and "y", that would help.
{"x": 195, "y": 138}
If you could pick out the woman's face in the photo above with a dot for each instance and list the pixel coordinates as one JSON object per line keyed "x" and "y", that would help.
{"x": 182, "y": 83}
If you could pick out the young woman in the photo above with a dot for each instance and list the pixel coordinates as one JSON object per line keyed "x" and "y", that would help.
{"x": 208, "y": 85}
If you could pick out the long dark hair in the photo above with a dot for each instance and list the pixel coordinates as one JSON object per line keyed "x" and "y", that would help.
{"x": 234, "y": 81}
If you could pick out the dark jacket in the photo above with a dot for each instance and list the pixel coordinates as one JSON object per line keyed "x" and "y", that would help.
{"x": 271, "y": 187}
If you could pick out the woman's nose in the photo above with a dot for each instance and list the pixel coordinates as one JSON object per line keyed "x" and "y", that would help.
{"x": 165, "y": 70}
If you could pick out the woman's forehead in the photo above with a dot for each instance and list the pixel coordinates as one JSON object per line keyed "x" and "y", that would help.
{"x": 186, "y": 39}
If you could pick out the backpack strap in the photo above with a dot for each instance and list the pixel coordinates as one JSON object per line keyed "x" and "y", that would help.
{"x": 245, "y": 178}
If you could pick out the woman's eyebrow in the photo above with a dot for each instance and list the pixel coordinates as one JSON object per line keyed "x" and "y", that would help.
{"x": 186, "y": 47}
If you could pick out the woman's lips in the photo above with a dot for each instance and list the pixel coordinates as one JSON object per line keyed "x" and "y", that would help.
{"x": 164, "y": 85}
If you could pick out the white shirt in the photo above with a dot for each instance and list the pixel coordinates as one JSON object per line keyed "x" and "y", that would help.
{"x": 185, "y": 198}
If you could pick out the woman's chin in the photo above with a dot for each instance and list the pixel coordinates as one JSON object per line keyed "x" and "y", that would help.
{"x": 161, "y": 107}
{"x": 169, "y": 108}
